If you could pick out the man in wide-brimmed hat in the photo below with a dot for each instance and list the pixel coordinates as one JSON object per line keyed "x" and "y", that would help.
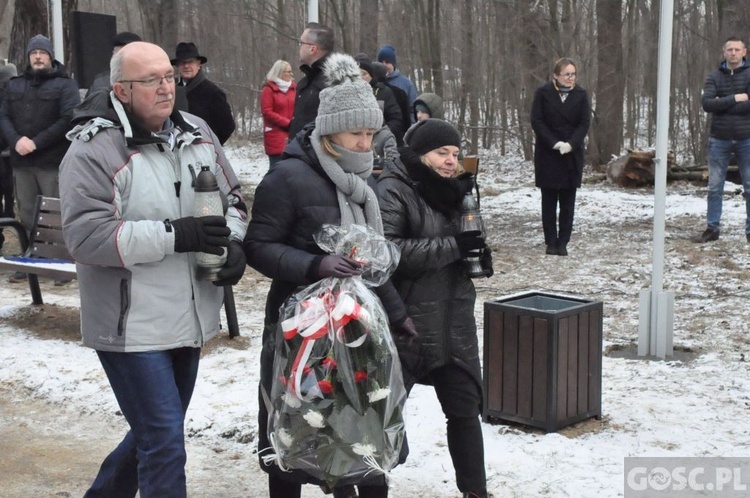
{"x": 205, "y": 99}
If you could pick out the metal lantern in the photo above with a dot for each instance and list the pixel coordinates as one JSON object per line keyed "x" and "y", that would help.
{"x": 207, "y": 202}
{"x": 471, "y": 221}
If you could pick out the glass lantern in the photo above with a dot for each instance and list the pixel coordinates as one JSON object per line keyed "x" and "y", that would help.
{"x": 207, "y": 202}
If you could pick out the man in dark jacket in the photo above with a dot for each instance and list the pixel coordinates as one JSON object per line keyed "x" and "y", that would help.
{"x": 34, "y": 118}
{"x": 204, "y": 98}
{"x": 725, "y": 96}
{"x": 101, "y": 81}
{"x": 7, "y": 72}
{"x": 315, "y": 43}
{"x": 385, "y": 97}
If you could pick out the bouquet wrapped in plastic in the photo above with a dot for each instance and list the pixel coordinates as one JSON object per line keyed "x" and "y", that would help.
{"x": 338, "y": 395}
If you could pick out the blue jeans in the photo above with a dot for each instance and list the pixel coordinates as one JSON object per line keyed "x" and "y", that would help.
{"x": 718, "y": 161}
{"x": 153, "y": 390}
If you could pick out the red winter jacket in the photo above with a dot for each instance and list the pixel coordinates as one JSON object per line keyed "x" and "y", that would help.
{"x": 277, "y": 108}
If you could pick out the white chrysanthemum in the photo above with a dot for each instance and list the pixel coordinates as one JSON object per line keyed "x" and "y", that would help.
{"x": 292, "y": 400}
{"x": 363, "y": 449}
{"x": 315, "y": 419}
{"x": 378, "y": 394}
{"x": 284, "y": 437}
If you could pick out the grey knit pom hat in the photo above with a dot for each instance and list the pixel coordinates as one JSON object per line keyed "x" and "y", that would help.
{"x": 347, "y": 103}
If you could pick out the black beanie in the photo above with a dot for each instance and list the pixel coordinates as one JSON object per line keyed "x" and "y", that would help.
{"x": 364, "y": 63}
{"x": 431, "y": 134}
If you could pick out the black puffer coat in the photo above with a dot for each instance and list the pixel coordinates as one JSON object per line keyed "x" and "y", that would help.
{"x": 556, "y": 121}
{"x": 292, "y": 201}
{"x": 431, "y": 278}
{"x": 729, "y": 119}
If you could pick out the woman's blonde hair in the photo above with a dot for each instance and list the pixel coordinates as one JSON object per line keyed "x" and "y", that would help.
{"x": 327, "y": 145}
{"x": 459, "y": 167}
{"x": 277, "y": 70}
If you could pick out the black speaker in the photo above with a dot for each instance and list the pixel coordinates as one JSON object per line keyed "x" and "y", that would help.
{"x": 91, "y": 40}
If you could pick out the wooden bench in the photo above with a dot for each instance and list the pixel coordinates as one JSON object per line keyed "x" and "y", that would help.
{"x": 46, "y": 255}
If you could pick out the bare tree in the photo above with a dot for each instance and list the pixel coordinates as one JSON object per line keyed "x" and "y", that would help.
{"x": 606, "y": 133}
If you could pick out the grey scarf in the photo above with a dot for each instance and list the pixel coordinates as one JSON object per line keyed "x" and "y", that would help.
{"x": 357, "y": 201}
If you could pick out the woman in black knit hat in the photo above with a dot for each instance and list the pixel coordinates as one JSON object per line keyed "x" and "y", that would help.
{"x": 420, "y": 200}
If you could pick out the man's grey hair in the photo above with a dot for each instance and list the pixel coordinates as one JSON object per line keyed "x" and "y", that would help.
{"x": 115, "y": 68}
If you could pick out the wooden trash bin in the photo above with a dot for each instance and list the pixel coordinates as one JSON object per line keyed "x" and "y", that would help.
{"x": 542, "y": 360}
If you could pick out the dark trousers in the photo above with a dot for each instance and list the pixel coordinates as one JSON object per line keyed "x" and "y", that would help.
{"x": 566, "y": 197}
{"x": 279, "y": 488}
{"x": 6, "y": 192}
{"x": 153, "y": 390}
{"x": 460, "y": 398}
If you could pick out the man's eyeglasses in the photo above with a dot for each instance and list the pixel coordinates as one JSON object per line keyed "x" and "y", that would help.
{"x": 152, "y": 82}
{"x": 300, "y": 43}
{"x": 569, "y": 75}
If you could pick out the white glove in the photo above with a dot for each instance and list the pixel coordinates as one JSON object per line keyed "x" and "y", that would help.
{"x": 557, "y": 145}
{"x": 565, "y": 148}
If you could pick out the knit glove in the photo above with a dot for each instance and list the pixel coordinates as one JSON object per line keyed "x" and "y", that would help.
{"x": 565, "y": 148}
{"x": 470, "y": 243}
{"x": 557, "y": 145}
{"x": 206, "y": 234}
{"x": 234, "y": 268}
{"x": 335, "y": 265}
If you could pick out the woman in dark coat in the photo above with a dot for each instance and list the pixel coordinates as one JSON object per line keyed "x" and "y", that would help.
{"x": 324, "y": 177}
{"x": 420, "y": 199}
{"x": 560, "y": 117}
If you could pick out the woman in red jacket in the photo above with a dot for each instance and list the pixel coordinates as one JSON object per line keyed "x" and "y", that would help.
{"x": 277, "y": 107}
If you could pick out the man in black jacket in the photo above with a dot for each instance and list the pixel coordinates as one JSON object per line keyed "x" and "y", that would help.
{"x": 7, "y": 72}
{"x": 315, "y": 43}
{"x": 725, "y": 96}
{"x": 204, "y": 98}
{"x": 34, "y": 118}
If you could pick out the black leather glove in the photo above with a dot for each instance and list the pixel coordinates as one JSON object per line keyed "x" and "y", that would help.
{"x": 206, "y": 234}
{"x": 234, "y": 268}
{"x": 486, "y": 261}
{"x": 334, "y": 265}
{"x": 405, "y": 329}
{"x": 469, "y": 243}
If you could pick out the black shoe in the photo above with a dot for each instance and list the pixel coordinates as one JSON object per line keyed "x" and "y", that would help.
{"x": 562, "y": 250}
{"x": 551, "y": 249}
{"x": 709, "y": 235}
{"x": 17, "y": 277}
{"x": 344, "y": 492}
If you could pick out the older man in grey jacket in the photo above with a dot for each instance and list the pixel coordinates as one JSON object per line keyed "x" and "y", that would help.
{"x": 127, "y": 191}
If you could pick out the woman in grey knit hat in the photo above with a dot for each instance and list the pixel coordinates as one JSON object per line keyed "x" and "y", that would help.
{"x": 324, "y": 176}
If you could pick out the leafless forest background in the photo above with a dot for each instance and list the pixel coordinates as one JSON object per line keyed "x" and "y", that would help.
{"x": 485, "y": 57}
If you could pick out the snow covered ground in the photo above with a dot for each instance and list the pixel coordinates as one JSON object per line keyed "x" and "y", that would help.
{"x": 693, "y": 405}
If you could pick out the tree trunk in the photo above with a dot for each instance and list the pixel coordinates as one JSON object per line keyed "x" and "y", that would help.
{"x": 368, "y": 27}
{"x": 29, "y": 19}
{"x": 606, "y": 131}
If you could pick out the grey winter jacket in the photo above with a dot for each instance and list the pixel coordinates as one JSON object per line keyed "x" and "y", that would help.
{"x": 118, "y": 183}
{"x": 730, "y": 120}
{"x": 431, "y": 278}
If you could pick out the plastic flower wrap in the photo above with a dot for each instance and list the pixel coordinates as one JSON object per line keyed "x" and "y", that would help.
{"x": 338, "y": 395}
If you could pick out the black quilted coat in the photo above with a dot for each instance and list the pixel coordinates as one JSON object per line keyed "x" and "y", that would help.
{"x": 431, "y": 279}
